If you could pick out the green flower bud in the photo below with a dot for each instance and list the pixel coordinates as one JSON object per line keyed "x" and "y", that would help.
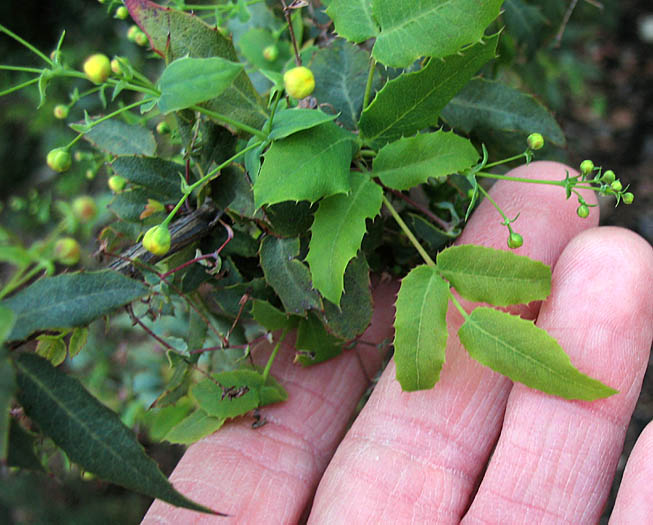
{"x": 628, "y": 198}
{"x": 583, "y": 211}
{"x": 84, "y": 208}
{"x": 66, "y": 251}
{"x": 122, "y": 12}
{"x": 132, "y": 32}
{"x": 97, "y": 68}
{"x": 608, "y": 177}
{"x": 89, "y": 174}
{"x": 162, "y": 128}
{"x": 117, "y": 183}
{"x": 515, "y": 240}
{"x": 586, "y": 167}
{"x": 59, "y": 159}
{"x": 271, "y": 53}
{"x": 535, "y": 141}
{"x": 140, "y": 38}
{"x": 616, "y": 186}
{"x": 60, "y": 111}
{"x": 299, "y": 82}
{"x": 157, "y": 240}
{"x": 116, "y": 67}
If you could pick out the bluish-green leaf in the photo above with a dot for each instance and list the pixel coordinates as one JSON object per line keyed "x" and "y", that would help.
{"x": 491, "y": 105}
{"x": 159, "y": 178}
{"x": 119, "y": 138}
{"x": 21, "y": 448}
{"x": 306, "y": 166}
{"x": 289, "y": 121}
{"x": 7, "y": 320}
{"x": 408, "y": 162}
{"x": 492, "y": 276}
{"x": 128, "y": 205}
{"x": 353, "y": 19}
{"x": 413, "y": 101}
{"x": 90, "y": 434}
{"x": 70, "y": 300}
{"x": 434, "y": 28}
{"x": 337, "y": 233}
{"x": 188, "y": 81}
{"x": 420, "y": 328}
{"x": 525, "y": 353}
{"x": 7, "y": 389}
{"x": 289, "y": 278}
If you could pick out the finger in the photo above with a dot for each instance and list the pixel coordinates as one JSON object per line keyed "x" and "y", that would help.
{"x": 417, "y": 456}
{"x": 555, "y": 459}
{"x": 269, "y": 475}
{"x": 634, "y": 502}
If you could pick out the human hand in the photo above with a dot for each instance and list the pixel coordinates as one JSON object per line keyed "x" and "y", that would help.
{"x": 476, "y": 448}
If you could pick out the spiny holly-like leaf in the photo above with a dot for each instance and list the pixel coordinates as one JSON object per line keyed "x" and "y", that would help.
{"x": 175, "y": 34}
{"x": 70, "y": 300}
{"x": 413, "y": 101}
{"x": 525, "y": 353}
{"x": 210, "y": 77}
{"x": 353, "y": 19}
{"x": 355, "y": 311}
{"x": 88, "y": 432}
{"x": 492, "y": 276}
{"x": 340, "y": 71}
{"x": 7, "y": 389}
{"x": 490, "y": 105}
{"x": 306, "y": 166}
{"x": 159, "y": 178}
{"x": 337, "y": 233}
{"x": 408, "y": 162}
{"x": 289, "y": 121}
{"x": 192, "y": 428}
{"x": 289, "y": 278}
{"x": 313, "y": 343}
{"x": 421, "y": 328}
{"x": 434, "y": 28}
{"x": 118, "y": 138}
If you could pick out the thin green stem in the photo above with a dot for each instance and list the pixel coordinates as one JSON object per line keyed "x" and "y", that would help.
{"x": 236, "y": 124}
{"x": 26, "y": 44}
{"x": 268, "y": 127}
{"x": 457, "y": 304}
{"x": 494, "y": 203}
{"x": 407, "y": 232}
{"x": 505, "y": 161}
{"x": 368, "y": 85}
{"x": 21, "y": 68}
{"x": 268, "y": 365}
{"x": 519, "y": 179}
{"x": 19, "y": 86}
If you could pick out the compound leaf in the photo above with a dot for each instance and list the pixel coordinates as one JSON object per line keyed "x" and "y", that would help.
{"x": 160, "y": 178}
{"x": 421, "y": 328}
{"x": 525, "y": 353}
{"x": 408, "y": 162}
{"x": 70, "y": 300}
{"x": 413, "y": 101}
{"x": 337, "y": 232}
{"x": 353, "y": 19}
{"x": 90, "y": 434}
{"x": 492, "y": 276}
{"x": 119, "y": 138}
{"x": 434, "y": 28}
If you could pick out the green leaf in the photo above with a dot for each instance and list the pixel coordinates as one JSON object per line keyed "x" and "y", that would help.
{"x": 77, "y": 341}
{"x": 421, "y": 328}
{"x": 289, "y": 121}
{"x": 128, "y": 205}
{"x": 308, "y": 165}
{"x": 313, "y": 343}
{"x": 434, "y": 28}
{"x": 69, "y": 300}
{"x": 289, "y": 278}
{"x": 160, "y": 420}
{"x": 525, "y": 353}
{"x": 174, "y": 34}
{"x": 526, "y": 23}
{"x": 413, "y": 101}
{"x": 492, "y": 276}
{"x": 255, "y": 40}
{"x": 408, "y": 162}
{"x": 88, "y": 432}
{"x": 16, "y": 255}
{"x": 490, "y": 105}
{"x": 188, "y": 81}
{"x": 160, "y": 178}
{"x": 340, "y": 71}
{"x": 270, "y": 317}
{"x": 52, "y": 348}
{"x": 290, "y": 219}
{"x": 337, "y": 233}
{"x": 21, "y": 448}
{"x": 7, "y": 320}
{"x": 193, "y": 428}
{"x": 355, "y": 312}
{"x": 7, "y": 389}
{"x": 118, "y": 138}
{"x": 353, "y": 19}
{"x": 434, "y": 238}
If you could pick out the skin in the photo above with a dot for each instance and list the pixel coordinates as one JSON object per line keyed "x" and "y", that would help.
{"x": 477, "y": 448}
